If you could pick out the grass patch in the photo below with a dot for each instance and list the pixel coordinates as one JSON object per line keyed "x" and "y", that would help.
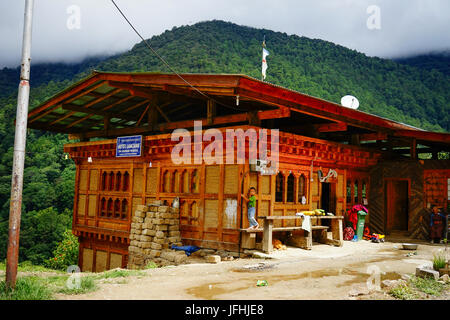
{"x": 27, "y": 288}
{"x": 428, "y": 286}
{"x": 151, "y": 265}
{"x": 27, "y": 266}
{"x": 118, "y": 273}
{"x": 403, "y": 292}
{"x": 87, "y": 284}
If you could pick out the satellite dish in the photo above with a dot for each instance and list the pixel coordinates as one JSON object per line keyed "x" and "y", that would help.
{"x": 350, "y": 102}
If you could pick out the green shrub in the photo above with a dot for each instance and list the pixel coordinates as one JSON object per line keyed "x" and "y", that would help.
{"x": 439, "y": 261}
{"x": 65, "y": 254}
{"x": 428, "y": 285}
{"x": 403, "y": 292}
{"x": 27, "y": 288}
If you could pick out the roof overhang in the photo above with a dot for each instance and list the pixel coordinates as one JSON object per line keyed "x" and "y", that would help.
{"x": 113, "y": 104}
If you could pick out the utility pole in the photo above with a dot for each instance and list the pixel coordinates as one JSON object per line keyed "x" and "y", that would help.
{"x": 19, "y": 150}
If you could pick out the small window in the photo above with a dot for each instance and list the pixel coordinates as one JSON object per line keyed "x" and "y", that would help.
{"x": 290, "y": 188}
{"x": 364, "y": 190}
{"x": 118, "y": 181}
{"x": 279, "y": 187}
{"x": 301, "y": 188}
{"x": 176, "y": 182}
{"x": 104, "y": 182}
{"x": 185, "y": 181}
{"x": 124, "y": 211}
{"x": 110, "y": 208}
{"x": 111, "y": 181}
{"x": 126, "y": 181}
{"x": 166, "y": 181}
{"x": 349, "y": 192}
{"x": 355, "y": 192}
{"x": 117, "y": 208}
{"x": 195, "y": 182}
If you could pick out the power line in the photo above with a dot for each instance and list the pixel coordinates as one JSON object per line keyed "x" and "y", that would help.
{"x": 166, "y": 63}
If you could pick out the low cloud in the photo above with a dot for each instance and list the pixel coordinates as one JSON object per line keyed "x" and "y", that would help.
{"x": 406, "y": 26}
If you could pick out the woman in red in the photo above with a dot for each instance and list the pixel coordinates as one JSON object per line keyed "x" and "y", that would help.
{"x": 437, "y": 225}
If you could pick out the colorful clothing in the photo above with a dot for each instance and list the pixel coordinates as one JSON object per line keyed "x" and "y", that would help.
{"x": 437, "y": 225}
{"x": 252, "y": 202}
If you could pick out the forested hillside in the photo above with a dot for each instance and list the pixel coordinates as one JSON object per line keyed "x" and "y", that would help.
{"x": 409, "y": 94}
{"x": 434, "y": 61}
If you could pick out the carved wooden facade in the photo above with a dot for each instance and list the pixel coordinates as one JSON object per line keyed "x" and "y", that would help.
{"x": 211, "y": 212}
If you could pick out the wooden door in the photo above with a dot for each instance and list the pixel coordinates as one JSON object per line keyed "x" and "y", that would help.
{"x": 397, "y": 198}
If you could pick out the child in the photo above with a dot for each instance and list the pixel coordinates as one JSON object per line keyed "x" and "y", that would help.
{"x": 252, "y": 209}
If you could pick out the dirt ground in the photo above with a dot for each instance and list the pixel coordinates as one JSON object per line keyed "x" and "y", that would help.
{"x": 325, "y": 272}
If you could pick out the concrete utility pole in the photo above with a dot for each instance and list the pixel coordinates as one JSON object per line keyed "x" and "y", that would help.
{"x": 19, "y": 151}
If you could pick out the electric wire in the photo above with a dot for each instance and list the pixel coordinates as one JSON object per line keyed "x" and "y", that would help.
{"x": 167, "y": 64}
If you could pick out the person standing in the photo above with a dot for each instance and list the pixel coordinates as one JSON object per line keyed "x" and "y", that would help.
{"x": 251, "y": 204}
{"x": 437, "y": 224}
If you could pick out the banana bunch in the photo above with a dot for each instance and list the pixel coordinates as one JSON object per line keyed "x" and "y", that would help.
{"x": 316, "y": 212}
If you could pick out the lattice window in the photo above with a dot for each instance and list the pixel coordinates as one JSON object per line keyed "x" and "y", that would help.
{"x": 349, "y": 192}
{"x": 176, "y": 182}
{"x": 290, "y": 188}
{"x": 279, "y": 187}
{"x": 195, "y": 187}
{"x": 185, "y": 181}
{"x": 301, "y": 188}
{"x": 118, "y": 181}
{"x": 126, "y": 181}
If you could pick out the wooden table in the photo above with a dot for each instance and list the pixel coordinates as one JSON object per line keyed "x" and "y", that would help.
{"x": 306, "y": 241}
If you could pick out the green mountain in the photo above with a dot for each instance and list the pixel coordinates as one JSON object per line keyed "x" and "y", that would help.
{"x": 439, "y": 61}
{"x": 410, "y": 94}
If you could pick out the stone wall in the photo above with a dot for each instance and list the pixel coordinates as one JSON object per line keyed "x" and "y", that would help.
{"x": 154, "y": 229}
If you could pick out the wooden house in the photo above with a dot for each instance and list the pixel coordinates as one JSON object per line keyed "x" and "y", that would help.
{"x": 376, "y": 160}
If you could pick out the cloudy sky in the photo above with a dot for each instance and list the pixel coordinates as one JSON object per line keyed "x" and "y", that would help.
{"x": 398, "y": 28}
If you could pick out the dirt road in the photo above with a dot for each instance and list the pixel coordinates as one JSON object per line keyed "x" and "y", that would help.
{"x": 325, "y": 272}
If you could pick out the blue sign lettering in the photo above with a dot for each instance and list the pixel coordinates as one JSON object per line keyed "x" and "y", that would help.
{"x": 129, "y": 146}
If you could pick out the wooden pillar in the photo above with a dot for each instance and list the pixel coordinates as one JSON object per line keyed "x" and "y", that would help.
{"x": 413, "y": 148}
{"x": 210, "y": 111}
{"x": 267, "y": 236}
{"x": 253, "y": 118}
{"x": 152, "y": 116}
{"x": 355, "y": 140}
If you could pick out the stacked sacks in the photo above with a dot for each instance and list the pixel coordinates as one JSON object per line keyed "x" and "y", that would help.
{"x": 154, "y": 229}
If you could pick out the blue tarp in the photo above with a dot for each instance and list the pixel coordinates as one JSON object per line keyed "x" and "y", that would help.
{"x": 187, "y": 249}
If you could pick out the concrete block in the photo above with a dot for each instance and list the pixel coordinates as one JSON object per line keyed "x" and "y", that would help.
{"x": 213, "y": 259}
{"x": 160, "y": 234}
{"x": 142, "y": 207}
{"x": 139, "y": 213}
{"x": 156, "y": 246}
{"x": 158, "y": 221}
{"x": 163, "y": 209}
{"x": 427, "y": 273}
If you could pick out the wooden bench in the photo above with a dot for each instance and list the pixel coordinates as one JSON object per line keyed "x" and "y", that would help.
{"x": 305, "y": 241}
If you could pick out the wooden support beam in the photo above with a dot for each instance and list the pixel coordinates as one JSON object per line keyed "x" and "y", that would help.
{"x": 331, "y": 127}
{"x": 142, "y": 116}
{"x": 88, "y": 105}
{"x": 235, "y": 118}
{"x": 35, "y": 113}
{"x": 210, "y": 111}
{"x": 93, "y": 112}
{"x": 373, "y": 136}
